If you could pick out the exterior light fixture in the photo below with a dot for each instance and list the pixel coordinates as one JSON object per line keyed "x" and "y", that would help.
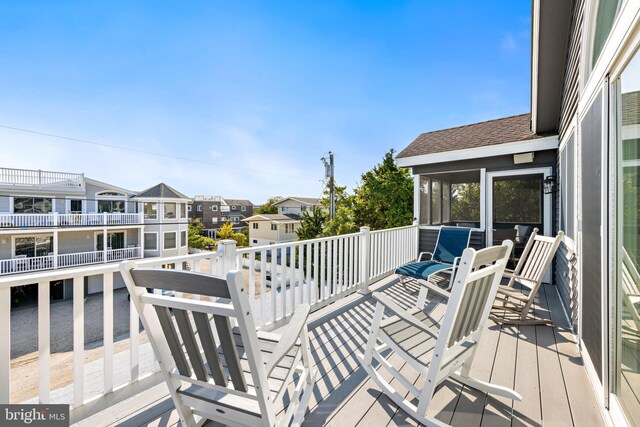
{"x": 549, "y": 185}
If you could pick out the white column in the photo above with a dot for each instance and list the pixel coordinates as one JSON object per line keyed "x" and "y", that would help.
{"x": 228, "y": 250}
{"x": 55, "y": 249}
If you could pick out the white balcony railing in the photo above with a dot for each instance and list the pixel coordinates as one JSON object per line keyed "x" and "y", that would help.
{"x": 55, "y": 219}
{"x": 280, "y": 277}
{"x": 41, "y": 180}
{"x": 24, "y": 265}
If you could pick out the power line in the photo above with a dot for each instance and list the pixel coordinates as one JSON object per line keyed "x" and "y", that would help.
{"x": 151, "y": 153}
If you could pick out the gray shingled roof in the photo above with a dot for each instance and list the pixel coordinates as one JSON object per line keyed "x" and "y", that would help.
{"x": 161, "y": 190}
{"x": 492, "y": 132}
{"x": 308, "y": 200}
{"x": 238, "y": 202}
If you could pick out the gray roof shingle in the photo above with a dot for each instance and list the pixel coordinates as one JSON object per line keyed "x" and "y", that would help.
{"x": 491, "y": 132}
{"x": 161, "y": 190}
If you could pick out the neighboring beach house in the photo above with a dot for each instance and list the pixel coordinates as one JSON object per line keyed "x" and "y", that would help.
{"x": 166, "y": 221}
{"x": 52, "y": 220}
{"x": 296, "y": 205}
{"x": 214, "y": 211}
{"x": 269, "y": 229}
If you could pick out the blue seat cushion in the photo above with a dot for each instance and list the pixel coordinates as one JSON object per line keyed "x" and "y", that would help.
{"x": 422, "y": 270}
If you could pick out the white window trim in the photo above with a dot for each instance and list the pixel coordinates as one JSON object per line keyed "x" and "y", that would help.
{"x": 214, "y": 208}
{"x": 12, "y": 201}
{"x": 243, "y": 208}
{"x": 164, "y": 241}
{"x": 67, "y": 203}
{"x": 22, "y": 236}
{"x": 144, "y": 240}
{"x": 95, "y": 237}
{"x": 157, "y": 211}
{"x": 186, "y": 238}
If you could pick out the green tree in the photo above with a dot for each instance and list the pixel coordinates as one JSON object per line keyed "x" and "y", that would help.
{"x": 311, "y": 224}
{"x": 343, "y": 220}
{"x": 195, "y": 237}
{"x": 384, "y": 199}
{"x": 226, "y": 232}
{"x": 269, "y": 207}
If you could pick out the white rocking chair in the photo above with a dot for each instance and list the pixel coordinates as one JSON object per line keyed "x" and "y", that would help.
{"x": 512, "y": 307}
{"x": 235, "y": 376}
{"x": 439, "y": 353}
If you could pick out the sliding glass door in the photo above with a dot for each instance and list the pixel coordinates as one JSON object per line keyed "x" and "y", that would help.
{"x": 626, "y": 103}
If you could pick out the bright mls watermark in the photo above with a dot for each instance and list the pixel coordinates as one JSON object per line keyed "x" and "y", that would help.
{"x": 34, "y": 415}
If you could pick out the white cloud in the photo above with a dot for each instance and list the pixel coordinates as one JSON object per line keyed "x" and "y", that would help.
{"x": 509, "y": 44}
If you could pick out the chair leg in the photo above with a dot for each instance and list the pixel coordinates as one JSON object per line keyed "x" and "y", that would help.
{"x": 422, "y": 297}
{"x": 486, "y": 387}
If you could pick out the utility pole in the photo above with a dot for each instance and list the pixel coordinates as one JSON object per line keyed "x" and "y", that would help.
{"x": 328, "y": 167}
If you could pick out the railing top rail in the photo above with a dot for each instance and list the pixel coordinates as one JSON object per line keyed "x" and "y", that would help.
{"x": 293, "y": 243}
{"x": 404, "y": 227}
{"x": 321, "y": 239}
{"x": 51, "y": 275}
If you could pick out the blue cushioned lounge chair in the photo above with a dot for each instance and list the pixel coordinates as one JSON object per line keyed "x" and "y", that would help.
{"x": 452, "y": 241}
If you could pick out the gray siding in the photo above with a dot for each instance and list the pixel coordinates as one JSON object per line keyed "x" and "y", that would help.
{"x": 5, "y": 249}
{"x": 5, "y": 205}
{"x": 496, "y": 163}
{"x": 571, "y": 89}
{"x": 566, "y": 279}
{"x": 429, "y": 237}
{"x": 75, "y": 242}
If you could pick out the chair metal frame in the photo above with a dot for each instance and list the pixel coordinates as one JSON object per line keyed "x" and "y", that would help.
{"x": 452, "y": 267}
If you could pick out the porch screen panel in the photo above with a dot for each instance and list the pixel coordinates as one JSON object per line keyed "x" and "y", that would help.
{"x": 591, "y": 173}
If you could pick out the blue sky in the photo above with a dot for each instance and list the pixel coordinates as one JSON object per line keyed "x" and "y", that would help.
{"x": 255, "y": 91}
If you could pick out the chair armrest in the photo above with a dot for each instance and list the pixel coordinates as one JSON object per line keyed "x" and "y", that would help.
{"x": 424, "y": 253}
{"x": 436, "y": 289}
{"x": 403, "y": 314}
{"x": 294, "y": 329}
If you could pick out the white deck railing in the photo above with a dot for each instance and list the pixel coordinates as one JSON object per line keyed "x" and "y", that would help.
{"x": 55, "y": 219}
{"x": 281, "y": 277}
{"x": 41, "y": 180}
{"x": 48, "y": 262}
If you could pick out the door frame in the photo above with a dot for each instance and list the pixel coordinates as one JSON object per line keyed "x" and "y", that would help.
{"x": 547, "y": 202}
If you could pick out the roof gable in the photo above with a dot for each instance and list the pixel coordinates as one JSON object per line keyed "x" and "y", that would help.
{"x": 161, "y": 191}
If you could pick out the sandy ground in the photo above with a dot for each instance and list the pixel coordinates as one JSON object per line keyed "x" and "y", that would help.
{"x": 24, "y": 339}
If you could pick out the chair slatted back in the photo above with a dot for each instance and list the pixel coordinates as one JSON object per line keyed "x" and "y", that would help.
{"x": 185, "y": 341}
{"x": 452, "y": 241}
{"x": 473, "y": 291}
{"x": 196, "y": 336}
{"x": 536, "y": 258}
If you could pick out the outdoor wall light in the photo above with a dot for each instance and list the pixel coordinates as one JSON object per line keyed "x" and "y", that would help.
{"x": 549, "y": 185}
{"x": 4, "y": 241}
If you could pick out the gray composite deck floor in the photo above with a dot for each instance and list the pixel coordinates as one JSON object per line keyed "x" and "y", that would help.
{"x": 540, "y": 362}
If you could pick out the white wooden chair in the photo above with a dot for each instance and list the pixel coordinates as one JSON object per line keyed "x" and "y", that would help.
{"x": 233, "y": 375}
{"x": 630, "y": 291}
{"x": 513, "y": 307}
{"x": 439, "y": 353}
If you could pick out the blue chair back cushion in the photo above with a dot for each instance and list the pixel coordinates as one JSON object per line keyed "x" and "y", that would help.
{"x": 452, "y": 241}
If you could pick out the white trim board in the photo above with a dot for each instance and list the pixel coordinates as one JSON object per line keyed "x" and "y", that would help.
{"x": 540, "y": 144}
